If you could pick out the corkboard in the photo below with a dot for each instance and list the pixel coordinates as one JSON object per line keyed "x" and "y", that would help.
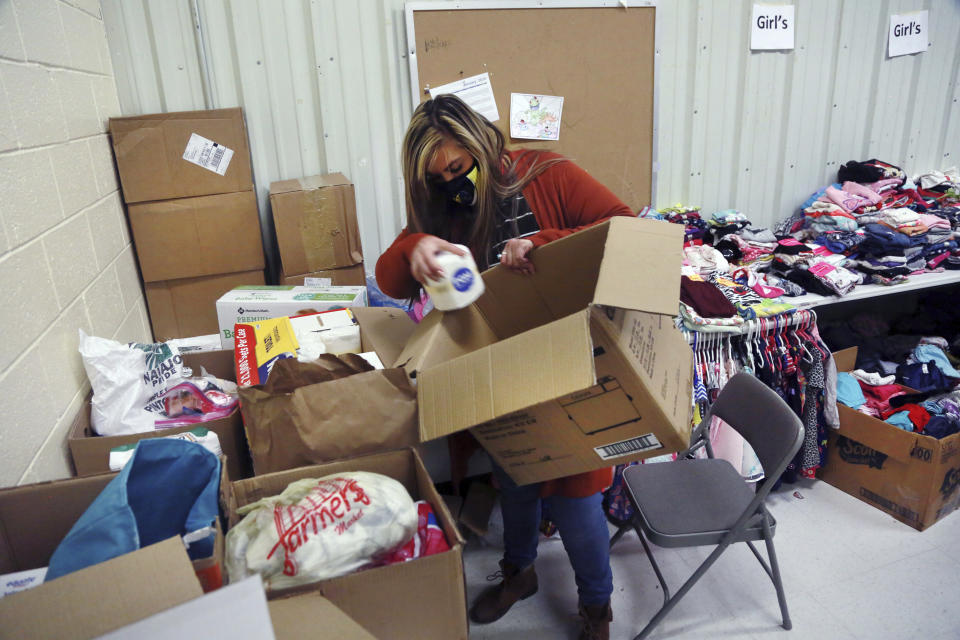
{"x": 601, "y": 59}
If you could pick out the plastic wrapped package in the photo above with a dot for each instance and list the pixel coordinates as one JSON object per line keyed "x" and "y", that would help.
{"x": 318, "y": 529}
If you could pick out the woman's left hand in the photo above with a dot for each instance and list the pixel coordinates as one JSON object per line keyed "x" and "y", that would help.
{"x": 514, "y": 256}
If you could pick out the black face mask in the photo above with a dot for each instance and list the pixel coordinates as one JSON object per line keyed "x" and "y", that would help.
{"x": 462, "y": 189}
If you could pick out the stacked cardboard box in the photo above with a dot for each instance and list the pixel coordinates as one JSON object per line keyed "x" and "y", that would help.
{"x": 193, "y": 213}
{"x": 317, "y": 235}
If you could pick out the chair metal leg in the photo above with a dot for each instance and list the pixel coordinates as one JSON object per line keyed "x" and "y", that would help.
{"x": 622, "y": 529}
{"x": 775, "y": 575}
{"x": 692, "y": 580}
{"x": 656, "y": 567}
{"x": 760, "y": 559}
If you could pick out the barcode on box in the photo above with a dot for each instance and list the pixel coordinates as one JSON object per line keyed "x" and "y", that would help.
{"x": 207, "y": 154}
{"x": 639, "y": 444}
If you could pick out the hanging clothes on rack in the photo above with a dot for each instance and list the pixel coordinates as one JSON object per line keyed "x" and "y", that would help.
{"x": 788, "y": 355}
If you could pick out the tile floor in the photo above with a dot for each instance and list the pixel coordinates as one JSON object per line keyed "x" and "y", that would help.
{"x": 849, "y": 570}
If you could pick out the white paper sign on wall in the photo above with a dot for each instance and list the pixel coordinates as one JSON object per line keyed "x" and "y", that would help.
{"x": 772, "y": 27}
{"x": 908, "y": 33}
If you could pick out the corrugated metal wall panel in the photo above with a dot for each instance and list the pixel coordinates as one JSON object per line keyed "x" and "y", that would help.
{"x": 324, "y": 84}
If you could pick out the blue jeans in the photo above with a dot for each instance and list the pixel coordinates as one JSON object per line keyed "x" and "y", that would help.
{"x": 582, "y": 527}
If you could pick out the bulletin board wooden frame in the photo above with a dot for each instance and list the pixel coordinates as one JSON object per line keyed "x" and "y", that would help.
{"x": 600, "y": 56}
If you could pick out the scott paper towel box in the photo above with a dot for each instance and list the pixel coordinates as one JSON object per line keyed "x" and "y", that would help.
{"x": 248, "y": 304}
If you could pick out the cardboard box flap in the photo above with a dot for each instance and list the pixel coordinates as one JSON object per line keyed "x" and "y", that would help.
{"x": 24, "y": 548}
{"x": 105, "y": 596}
{"x": 443, "y": 336}
{"x": 354, "y": 593}
{"x": 310, "y": 615}
{"x": 563, "y": 283}
{"x": 638, "y": 253}
{"x": 384, "y": 330}
{"x": 846, "y": 359}
{"x": 533, "y": 367}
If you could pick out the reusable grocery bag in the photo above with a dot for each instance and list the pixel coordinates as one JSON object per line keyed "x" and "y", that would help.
{"x": 169, "y": 487}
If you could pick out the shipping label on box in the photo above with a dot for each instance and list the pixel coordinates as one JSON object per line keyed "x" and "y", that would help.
{"x": 245, "y": 305}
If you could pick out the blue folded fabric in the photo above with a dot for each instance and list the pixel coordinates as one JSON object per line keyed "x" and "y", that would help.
{"x": 941, "y": 427}
{"x": 849, "y": 391}
{"x": 169, "y": 487}
{"x": 931, "y": 352}
{"x": 923, "y": 376}
{"x": 901, "y": 420}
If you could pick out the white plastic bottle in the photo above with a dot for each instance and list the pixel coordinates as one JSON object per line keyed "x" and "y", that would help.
{"x": 460, "y": 284}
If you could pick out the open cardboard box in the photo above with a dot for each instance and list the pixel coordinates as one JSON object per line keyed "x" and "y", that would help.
{"x": 339, "y": 418}
{"x": 35, "y": 518}
{"x": 423, "y": 598}
{"x": 91, "y": 453}
{"x": 913, "y": 477}
{"x": 574, "y": 368}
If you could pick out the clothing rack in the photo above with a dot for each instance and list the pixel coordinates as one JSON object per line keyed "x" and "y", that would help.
{"x": 800, "y": 319}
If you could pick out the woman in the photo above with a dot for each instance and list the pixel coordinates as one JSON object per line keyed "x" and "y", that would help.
{"x": 463, "y": 187}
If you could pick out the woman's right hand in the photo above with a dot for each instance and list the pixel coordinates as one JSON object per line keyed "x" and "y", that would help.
{"x": 423, "y": 262}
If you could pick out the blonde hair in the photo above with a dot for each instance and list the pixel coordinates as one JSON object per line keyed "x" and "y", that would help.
{"x": 443, "y": 118}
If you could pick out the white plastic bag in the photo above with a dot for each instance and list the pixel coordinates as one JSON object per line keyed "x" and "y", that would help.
{"x": 320, "y": 528}
{"x": 127, "y": 380}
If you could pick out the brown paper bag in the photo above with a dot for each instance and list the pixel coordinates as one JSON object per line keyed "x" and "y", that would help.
{"x": 310, "y": 413}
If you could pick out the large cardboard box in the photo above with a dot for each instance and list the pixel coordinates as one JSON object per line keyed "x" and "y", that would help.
{"x": 188, "y": 307}
{"x": 316, "y": 222}
{"x": 191, "y": 237}
{"x": 91, "y": 453}
{"x": 574, "y": 368}
{"x": 423, "y": 598}
{"x": 150, "y": 152}
{"x": 245, "y": 304}
{"x": 913, "y": 477}
{"x": 93, "y": 601}
{"x": 361, "y": 413}
{"x": 344, "y": 276}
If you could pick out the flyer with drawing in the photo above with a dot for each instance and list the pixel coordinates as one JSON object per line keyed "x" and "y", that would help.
{"x": 535, "y": 117}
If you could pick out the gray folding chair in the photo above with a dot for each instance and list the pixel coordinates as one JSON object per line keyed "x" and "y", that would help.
{"x": 705, "y": 501}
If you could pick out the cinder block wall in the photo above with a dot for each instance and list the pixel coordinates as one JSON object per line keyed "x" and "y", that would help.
{"x": 66, "y": 260}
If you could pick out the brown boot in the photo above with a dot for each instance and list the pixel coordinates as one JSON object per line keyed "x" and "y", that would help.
{"x": 596, "y": 621}
{"x": 517, "y": 584}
